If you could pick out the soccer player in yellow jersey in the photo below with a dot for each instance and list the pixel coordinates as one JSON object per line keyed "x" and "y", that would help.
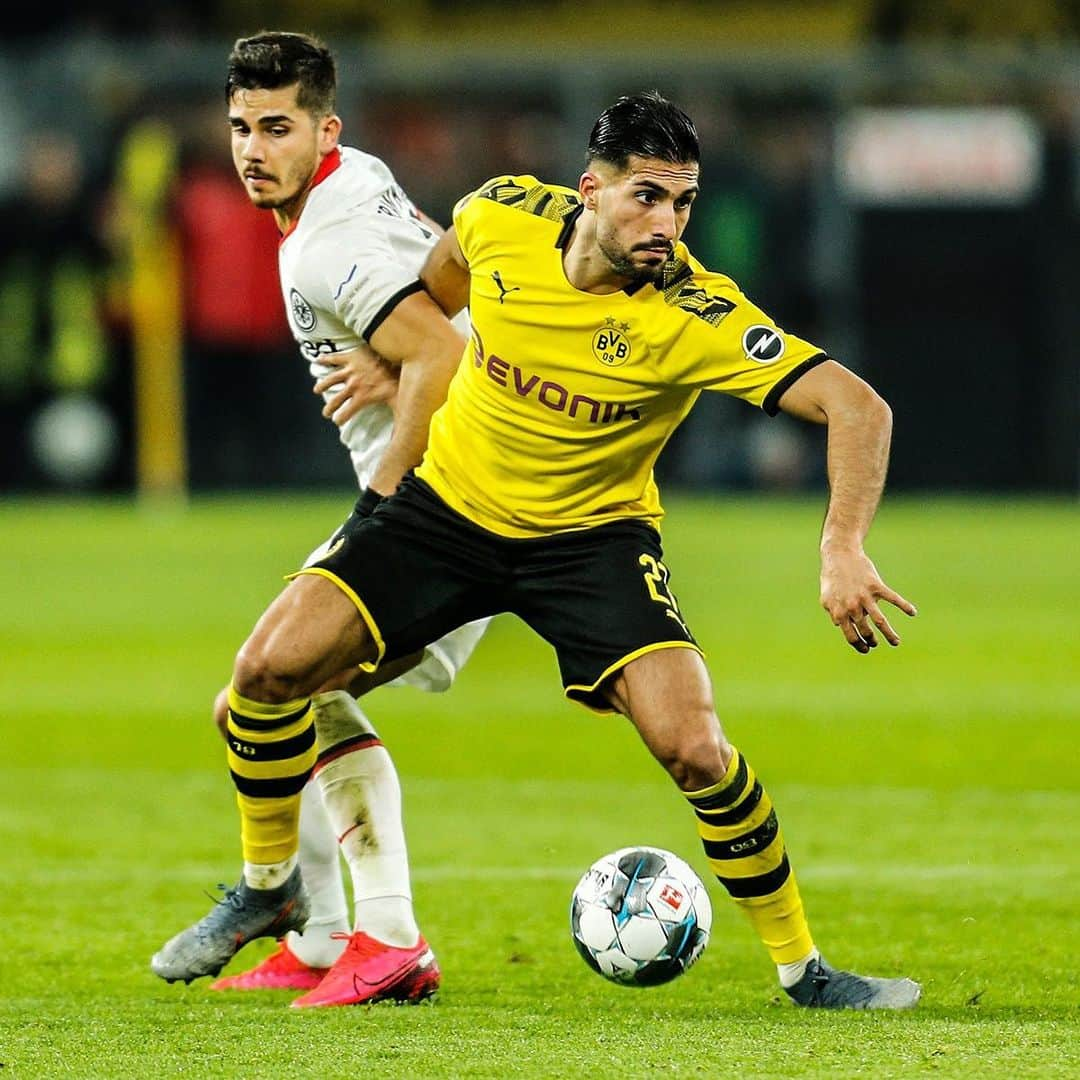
{"x": 594, "y": 330}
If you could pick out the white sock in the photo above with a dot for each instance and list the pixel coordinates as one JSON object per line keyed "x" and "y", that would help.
{"x": 320, "y": 864}
{"x": 388, "y": 919}
{"x": 363, "y": 801}
{"x": 268, "y": 875}
{"x": 790, "y": 974}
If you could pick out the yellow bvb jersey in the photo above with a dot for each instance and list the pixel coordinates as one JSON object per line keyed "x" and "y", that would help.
{"x": 565, "y": 398}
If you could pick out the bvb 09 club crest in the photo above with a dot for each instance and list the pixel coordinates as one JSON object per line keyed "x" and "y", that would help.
{"x": 610, "y": 345}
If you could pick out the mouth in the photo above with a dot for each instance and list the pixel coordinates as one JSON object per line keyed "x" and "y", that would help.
{"x": 257, "y": 178}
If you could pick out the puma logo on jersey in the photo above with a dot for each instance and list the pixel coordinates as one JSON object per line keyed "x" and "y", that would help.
{"x": 503, "y": 290}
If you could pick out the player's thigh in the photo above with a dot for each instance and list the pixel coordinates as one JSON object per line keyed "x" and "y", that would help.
{"x": 413, "y": 570}
{"x": 309, "y": 633}
{"x": 602, "y": 597}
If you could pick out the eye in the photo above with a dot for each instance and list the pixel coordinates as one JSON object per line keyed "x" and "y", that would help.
{"x": 647, "y": 197}
{"x": 279, "y": 131}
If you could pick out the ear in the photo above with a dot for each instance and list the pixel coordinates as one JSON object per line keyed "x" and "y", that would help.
{"x": 588, "y": 187}
{"x": 329, "y": 133}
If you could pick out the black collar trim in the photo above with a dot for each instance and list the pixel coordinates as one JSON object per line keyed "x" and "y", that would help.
{"x": 568, "y": 226}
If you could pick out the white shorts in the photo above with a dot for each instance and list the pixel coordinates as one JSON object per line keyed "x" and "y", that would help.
{"x": 442, "y": 659}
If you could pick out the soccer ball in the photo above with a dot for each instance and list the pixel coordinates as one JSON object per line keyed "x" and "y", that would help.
{"x": 640, "y": 916}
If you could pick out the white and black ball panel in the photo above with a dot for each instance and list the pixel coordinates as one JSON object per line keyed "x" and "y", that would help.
{"x": 640, "y": 916}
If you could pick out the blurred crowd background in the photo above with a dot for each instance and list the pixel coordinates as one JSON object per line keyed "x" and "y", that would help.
{"x": 894, "y": 180}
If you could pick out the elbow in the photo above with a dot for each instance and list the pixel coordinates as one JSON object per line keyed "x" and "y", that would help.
{"x": 884, "y": 415}
{"x": 438, "y": 359}
{"x": 877, "y": 409}
{"x": 864, "y": 406}
{"x": 450, "y": 349}
{"x": 875, "y": 420}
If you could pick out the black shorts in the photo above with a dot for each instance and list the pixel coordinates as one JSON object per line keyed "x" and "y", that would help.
{"x": 417, "y": 569}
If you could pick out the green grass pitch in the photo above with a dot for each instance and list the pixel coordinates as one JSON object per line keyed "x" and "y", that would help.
{"x": 930, "y": 796}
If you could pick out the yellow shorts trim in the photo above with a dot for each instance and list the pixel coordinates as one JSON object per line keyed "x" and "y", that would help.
{"x": 369, "y": 622}
{"x": 618, "y": 665}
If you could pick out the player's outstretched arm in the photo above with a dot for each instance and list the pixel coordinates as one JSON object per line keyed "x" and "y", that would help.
{"x": 445, "y": 274}
{"x": 860, "y": 431}
{"x": 417, "y": 338}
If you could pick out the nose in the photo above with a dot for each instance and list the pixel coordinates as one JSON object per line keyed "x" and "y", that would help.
{"x": 663, "y": 222}
{"x": 251, "y": 147}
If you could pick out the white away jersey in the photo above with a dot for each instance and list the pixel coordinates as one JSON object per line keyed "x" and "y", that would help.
{"x": 354, "y": 253}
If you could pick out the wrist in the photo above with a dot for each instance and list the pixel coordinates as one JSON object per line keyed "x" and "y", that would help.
{"x": 840, "y": 545}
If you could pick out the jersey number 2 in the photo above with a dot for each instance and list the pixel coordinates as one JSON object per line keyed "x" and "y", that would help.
{"x": 656, "y": 581}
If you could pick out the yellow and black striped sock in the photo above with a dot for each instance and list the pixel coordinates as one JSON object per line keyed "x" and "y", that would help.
{"x": 745, "y": 848}
{"x": 271, "y": 754}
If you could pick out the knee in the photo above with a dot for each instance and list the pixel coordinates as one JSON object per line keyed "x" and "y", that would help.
{"x": 261, "y": 676}
{"x": 221, "y": 712}
{"x": 698, "y": 757}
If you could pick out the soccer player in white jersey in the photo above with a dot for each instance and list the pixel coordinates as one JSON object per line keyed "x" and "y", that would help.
{"x": 352, "y": 247}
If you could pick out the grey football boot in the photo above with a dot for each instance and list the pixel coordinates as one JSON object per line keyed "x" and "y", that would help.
{"x": 242, "y": 915}
{"x": 824, "y": 987}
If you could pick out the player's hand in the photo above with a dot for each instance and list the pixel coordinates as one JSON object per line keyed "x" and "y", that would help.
{"x": 850, "y": 590}
{"x": 360, "y": 377}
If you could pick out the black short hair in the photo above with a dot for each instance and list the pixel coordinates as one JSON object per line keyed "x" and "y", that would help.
{"x": 274, "y": 58}
{"x": 643, "y": 125}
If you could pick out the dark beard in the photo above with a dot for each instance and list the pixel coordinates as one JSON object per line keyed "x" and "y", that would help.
{"x": 635, "y": 274}
{"x": 625, "y": 267}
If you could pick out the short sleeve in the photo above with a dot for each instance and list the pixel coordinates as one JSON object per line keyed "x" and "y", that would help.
{"x": 472, "y": 210}
{"x": 743, "y": 353}
{"x": 364, "y": 277}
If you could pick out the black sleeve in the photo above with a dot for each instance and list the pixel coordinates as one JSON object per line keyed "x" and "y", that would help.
{"x": 380, "y": 316}
{"x": 771, "y": 404}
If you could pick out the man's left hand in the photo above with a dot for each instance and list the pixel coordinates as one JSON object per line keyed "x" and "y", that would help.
{"x": 850, "y": 590}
